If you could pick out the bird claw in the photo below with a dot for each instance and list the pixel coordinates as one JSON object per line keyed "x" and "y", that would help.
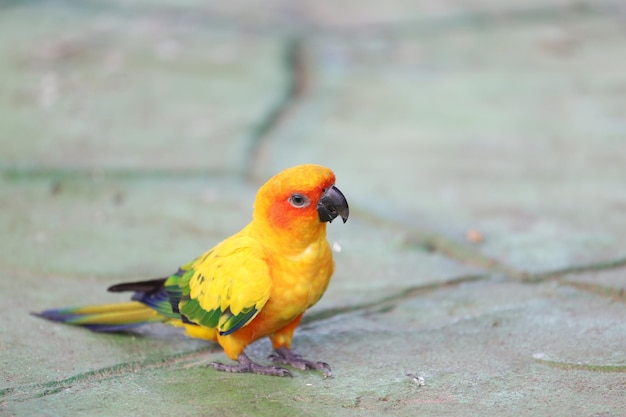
{"x": 245, "y": 365}
{"x": 285, "y": 356}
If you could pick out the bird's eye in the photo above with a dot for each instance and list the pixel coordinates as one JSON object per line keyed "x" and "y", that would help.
{"x": 298, "y": 200}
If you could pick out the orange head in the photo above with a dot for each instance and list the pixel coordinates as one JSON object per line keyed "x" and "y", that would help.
{"x": 297, "y": 202}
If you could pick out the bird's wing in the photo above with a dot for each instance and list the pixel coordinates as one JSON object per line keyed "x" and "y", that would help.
{"x": 227, "y": 286}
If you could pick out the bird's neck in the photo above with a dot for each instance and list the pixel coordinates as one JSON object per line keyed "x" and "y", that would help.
{"x": 292, "y": 242}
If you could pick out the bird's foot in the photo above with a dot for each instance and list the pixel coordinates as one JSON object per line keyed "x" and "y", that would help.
{"x": 246, "y": 365}
{"x": 285, "y": 356}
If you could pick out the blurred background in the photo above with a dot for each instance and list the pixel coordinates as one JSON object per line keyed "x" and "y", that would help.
{"x": 467, "y": 117}
{"x": 474, "y": 140}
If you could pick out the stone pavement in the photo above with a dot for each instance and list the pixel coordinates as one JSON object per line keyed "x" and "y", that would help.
{"x": 480, "y": 144}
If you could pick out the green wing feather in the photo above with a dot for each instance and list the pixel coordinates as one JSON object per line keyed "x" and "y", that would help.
{"x": 226, "y": 287}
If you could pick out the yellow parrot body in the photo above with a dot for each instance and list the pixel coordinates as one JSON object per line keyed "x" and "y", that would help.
{"x": 256, "y": 283}
{"x": 239, "y": 273}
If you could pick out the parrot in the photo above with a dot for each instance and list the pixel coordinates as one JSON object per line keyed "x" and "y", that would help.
{"x": 255, "y": 283}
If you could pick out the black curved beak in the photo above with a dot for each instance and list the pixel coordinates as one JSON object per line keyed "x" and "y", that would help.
{"x": 332, "y": 204}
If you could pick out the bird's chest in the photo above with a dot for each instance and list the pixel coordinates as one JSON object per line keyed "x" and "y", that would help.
{"x": 299, "y": 282}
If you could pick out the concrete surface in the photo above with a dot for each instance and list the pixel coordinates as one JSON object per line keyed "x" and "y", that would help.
{"x": 480, "y": 144}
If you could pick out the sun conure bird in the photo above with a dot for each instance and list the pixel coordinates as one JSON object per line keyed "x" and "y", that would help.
{"x": 256, "y": 283}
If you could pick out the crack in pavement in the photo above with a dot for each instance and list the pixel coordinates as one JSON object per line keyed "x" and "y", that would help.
{"x": 295, "y": 88}
{"x": 404, "y": 294}
{"x": 59, "y": 173}
{"x": 431, "y": 242}
{"x": 470, "y": 256}
{"x": 617, "y": 294}
{"x": 578, "y": 269}
{"x": 580, "y": 366}
{"x": 27, "y": 392}
{"x": 37, "y": 390}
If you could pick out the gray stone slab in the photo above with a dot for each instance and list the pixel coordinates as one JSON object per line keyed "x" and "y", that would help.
{"x": 512, "y": 131}
{"x": 66, "y": 240}
{"x": 610, "y": 283}
{"x": 71, "y": 238}
{"x": 95, "y": 89}
{"x": 502, "y": 119}
{"x": 393, "y": 16}
{"x": 398, "y": 268}
{"x": 488, "y": 347}
{"x": 113, "y": 229}
{"x": 500, "y": 346}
